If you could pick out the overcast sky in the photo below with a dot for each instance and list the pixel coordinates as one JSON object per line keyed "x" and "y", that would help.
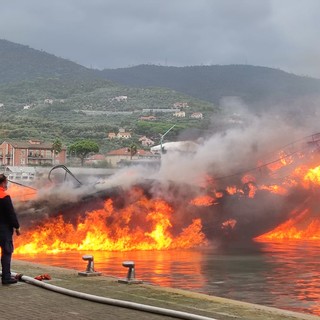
{"x": 102, "y": 34}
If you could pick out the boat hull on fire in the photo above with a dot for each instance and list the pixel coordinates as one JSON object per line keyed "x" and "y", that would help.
{"x": 227, "y": 218}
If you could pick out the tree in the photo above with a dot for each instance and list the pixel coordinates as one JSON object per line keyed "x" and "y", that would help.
{"x": 82, "y": 148}
{"x": 133, "y": 150}
{"x": 56, "y": 148}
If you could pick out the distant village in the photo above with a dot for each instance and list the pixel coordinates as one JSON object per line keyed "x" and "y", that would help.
{"x": 34, "y": 153}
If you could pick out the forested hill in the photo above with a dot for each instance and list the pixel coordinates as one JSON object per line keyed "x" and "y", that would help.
{"x": 259, "y": 86}
{"x": 81, "y": 99}
{"x": 21, "y": 63}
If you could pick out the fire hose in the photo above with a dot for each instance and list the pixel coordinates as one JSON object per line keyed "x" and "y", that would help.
{"x": 110, "y": 301}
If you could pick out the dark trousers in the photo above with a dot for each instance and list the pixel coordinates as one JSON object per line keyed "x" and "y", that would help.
{"x": 6, "y": 254}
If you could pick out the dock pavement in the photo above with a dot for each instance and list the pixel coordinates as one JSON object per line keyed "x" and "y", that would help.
{"x": 26, "y": 300}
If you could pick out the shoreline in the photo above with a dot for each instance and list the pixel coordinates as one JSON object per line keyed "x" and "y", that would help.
{"x": 156, "y": 295}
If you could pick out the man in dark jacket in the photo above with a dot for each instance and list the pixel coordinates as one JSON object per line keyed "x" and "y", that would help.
{"x": 8, "y": 222}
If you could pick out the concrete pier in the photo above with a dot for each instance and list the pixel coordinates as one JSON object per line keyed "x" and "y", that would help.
{"x": 28, "y": 301}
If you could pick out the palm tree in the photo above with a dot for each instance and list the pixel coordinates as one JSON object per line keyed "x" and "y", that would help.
{"x": 133, "y": 150}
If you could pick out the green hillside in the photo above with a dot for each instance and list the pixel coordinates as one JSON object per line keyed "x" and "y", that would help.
{"x": 46, "y": 97}
{"x": 19, "y": 62}
{"x": 259, "y": 87}
{"x": 43, "y": 96}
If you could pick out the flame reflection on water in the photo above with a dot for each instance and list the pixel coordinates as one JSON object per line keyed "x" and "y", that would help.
{"x": 280, "y": 274}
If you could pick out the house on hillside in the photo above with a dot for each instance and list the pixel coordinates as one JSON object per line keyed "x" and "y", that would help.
{"x": 179, "y": 114}
{"x": 112, "y": 135}
{"x": 181, "y": 105}
{"x": 148, "y": 118}
{"x": 197, "y": 115}
{"x": 120, "y": 98}
{"x": 146, "y": 142}
{"x": 48, "y": 101}
{"x": 123, "y": 134}
{"x": 30, "y": 153}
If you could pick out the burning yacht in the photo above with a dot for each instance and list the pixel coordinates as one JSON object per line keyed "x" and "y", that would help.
{"x": 134, "y": 211}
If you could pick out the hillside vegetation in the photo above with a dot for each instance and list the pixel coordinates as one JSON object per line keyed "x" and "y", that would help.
{"x": 258, "y": 87}
{"x": 43, "y": 96}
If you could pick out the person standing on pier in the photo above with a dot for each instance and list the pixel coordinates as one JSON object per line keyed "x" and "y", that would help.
{"x": 8, "y": 223}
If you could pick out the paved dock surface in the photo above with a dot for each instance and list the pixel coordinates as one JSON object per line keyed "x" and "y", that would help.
{"x": 28, "y": 301}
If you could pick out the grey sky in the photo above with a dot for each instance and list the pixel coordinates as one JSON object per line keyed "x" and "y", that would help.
{"x": 119, "y": 33}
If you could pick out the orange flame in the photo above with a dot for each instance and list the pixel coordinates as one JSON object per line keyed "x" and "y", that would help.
{"x": 144, "y": 225}
{"x": 295, "y": 228}
{"x": 204, "y": 201}
{"x": 275, "y": 189}
{"x": 312, "y": 176}
{"x": 20, "y": 193}
{"x": 148, "y": 224}
{"x": 304, "y": 224}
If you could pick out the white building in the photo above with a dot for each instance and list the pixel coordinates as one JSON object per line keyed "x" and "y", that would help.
{"x": 197, "y": 115}
{"x": 120, "y": 98}
{"x": 180, "y": 114}
{"x": 176, "y": 146}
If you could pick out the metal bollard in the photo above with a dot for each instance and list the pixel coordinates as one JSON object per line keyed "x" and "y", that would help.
{"x": 131, "y": 276}
{"x": 90, "y": 267}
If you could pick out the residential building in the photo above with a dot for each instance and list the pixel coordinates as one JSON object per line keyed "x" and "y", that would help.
{"x": 146, "y": 142}
{"x": 148, "y": 118}
{"x": 197, "y": 115}
{"x": 48, "y": 101}
{"x": 124, "y": 135}
{"x": 112, "y": 135}
{"x": 115, "y": 157}
{"x": 95, "y": 159}
{"x": 180, "y": 105}
{"x": 120, "y": 98}
{"x": 29, "y": 153}
{"x": 180, "y": 114}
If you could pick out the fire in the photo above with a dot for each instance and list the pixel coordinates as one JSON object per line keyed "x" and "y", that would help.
{"x": 232, "y": 189}
{"x": 283, "y": 160}
{"x": 143, "y": 225}
{"x": 146, "y": 223}
{"x": 305, "y": 223}
{"x": 295, "y": 228}
{"x": 275, "y": 189}
{"x": 21, "y": 193}
{"x": 204, "y": 200}
{"x": 313, "y": 176}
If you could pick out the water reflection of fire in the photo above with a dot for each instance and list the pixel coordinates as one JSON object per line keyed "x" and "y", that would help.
{"x": 276, "y": 200}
